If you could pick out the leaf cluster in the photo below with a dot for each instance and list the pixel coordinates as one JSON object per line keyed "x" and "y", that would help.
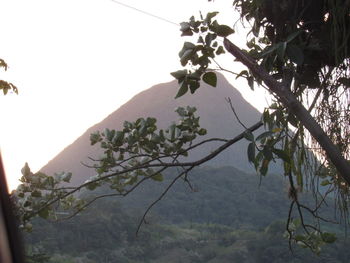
{"x": 198, "y": 56}
{"x": 4, "y": 85}
{"x": 33, "y": 196}
{"x": 139, "y": 144}
{"x": 138, "y": 152}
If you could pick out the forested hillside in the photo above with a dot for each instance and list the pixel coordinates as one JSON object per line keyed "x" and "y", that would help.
{"x": 231, "y": 216}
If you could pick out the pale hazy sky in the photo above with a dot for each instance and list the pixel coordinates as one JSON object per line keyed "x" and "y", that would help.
{"x": 76, "y": 61}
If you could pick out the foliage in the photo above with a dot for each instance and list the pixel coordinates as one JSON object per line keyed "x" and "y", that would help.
{"x": 305, "y": 45}
{"x": 275, "y": 60}
{"x": 296, "y": 50}
{"x": 4, "y": 85}
{"x": 137, "y": 153}
{"x": 299, "y": 52}
{"x": 111, "y": 237}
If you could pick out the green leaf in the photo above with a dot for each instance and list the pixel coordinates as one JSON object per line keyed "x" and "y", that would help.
{"x": 66, "y": 177}
{"x": 251, "y": 152}
{"x": 257, "y": 160}
{"x": 3, "y": 64}
{"x": 44, "y": 213}
{"x": 95, "y": 137}
{"x": 186, "y": 56}
{"x": 256, "y": 28}
{"x": 191, "y": 110}
{"x": 181, "y": 111}
{"x": 295, "y": 54}
{"x": 293, "y": 35}
{"x": 184, "y": 26}
{"x": 264, "y": 167}
{"x": 299, "y": 237}
{"x": 195, "y": 24}
{"x": 209, "y": 38}
{"x": 158, "y": 177}
{"x": 5, "y": 90}
{"x": 210, "y": 16}
{"x": 328, "y": 237}
{"x": 282, "y": 154}
{"x": 222, "y": 30}
{"x": 210, "y": 78}
{"x": 274, "y": 106}
{"x": 171, "y": 131}
{"x": 243, "y": 73}
{"x": 118, "y": 138}
{"x": 249, "y": 136}
{"x": 151, "y": 121}
{"x": 251, "y": 82}
{"x": 267, "y": 153}
{"x": 109, "y": 134}
{"x": 179, "y": 74}
{"x": 183, "y": 90}
{"x": 202, "y": 132}
{"x": 269, "y": 50}
{"x": 266, "y": 116}
{"x": 220, "y": 50}
{"x": 26, "y": 170}
{"x": 186, "y": 52}
{"x": 281, "y": 50}
{"x": 203, "y": 29}
{"x": 194, "y": 85}
{"x": 189, "y": 45}
{"x": 200, "y": 40}
{"x": 185, "y": 29}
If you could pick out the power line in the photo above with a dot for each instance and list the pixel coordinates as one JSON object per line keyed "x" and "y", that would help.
{"x": 145, "y": 12}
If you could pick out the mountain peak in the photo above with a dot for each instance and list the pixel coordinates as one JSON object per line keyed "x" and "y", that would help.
{"x": 158, "y": 102}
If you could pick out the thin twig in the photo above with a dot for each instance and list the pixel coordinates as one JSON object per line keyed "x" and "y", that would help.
{"x": 235, "y": 113}
{"x": 160, "y": 197}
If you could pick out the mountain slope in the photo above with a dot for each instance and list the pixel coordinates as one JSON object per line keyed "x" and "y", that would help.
{"x": 231, "y": 217}
{"x": 159, "y": 102}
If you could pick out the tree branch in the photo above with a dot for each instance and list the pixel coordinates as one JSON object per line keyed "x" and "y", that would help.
{"x": 163, "y": 166}
{"x": 289, "y": 101}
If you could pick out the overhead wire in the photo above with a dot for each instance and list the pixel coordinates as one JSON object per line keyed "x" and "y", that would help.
{"x": 146, "y": 13}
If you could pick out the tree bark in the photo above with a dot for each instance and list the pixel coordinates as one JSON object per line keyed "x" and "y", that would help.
{"x": 290, "y": 101}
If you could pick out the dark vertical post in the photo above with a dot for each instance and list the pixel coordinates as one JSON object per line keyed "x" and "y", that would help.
{"x": 10, "y": 226}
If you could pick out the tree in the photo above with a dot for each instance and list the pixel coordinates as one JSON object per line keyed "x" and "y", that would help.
{"x": 4, "y": 85}
{"x": 298, "y": 51}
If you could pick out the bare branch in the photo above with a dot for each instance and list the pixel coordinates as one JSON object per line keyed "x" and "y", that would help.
{"x": 161, "y": 196}
{"x": 235, "y": 113}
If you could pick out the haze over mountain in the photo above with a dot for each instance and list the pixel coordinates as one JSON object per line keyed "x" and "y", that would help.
{"x": 158, "y": 101}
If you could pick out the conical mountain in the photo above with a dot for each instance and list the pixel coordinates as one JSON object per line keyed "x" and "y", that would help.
{"x": 158, "y": 101}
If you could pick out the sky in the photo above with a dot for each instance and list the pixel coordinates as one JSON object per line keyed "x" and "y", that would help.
{"x": 76, "y": 61}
